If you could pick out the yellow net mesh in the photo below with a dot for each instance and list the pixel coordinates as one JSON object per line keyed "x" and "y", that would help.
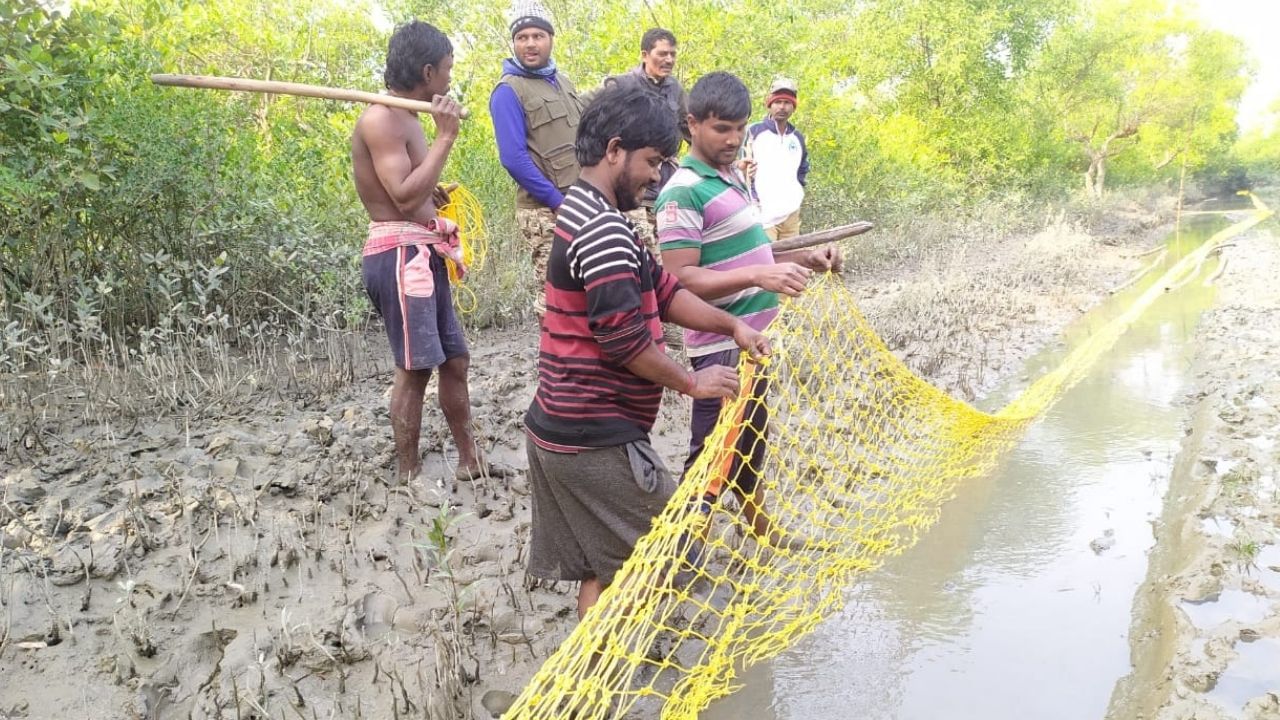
{"x": 858, "y": 457}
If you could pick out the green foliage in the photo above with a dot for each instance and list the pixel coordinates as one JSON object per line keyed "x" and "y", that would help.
{"x": 1140, "y": 83}
{"x": 118, "y": 199}
{"x": 438, "y": 546}
{"x": 1258, "y": 150}
{"x": 123, "y": 197}
{"x": 1246, "y": 552}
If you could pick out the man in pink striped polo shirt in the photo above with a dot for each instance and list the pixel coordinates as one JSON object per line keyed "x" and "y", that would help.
{"x": 711, "y": 239}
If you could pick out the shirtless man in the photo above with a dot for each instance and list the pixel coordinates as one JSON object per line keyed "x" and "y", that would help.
{"x": 397, "y": 176}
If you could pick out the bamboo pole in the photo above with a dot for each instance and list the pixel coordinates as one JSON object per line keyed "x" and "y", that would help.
{"x": 213, "y": 82}
{"x": 822, "y": 237}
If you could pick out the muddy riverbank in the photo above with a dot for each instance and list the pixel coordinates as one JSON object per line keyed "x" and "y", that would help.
{"x": 256, "y": 563}
{"x": 1206, "y": 634}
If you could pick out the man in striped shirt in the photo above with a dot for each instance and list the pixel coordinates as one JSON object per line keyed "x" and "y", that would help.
{"x": 596, "y": 481}
{"x": 711, "y": 239}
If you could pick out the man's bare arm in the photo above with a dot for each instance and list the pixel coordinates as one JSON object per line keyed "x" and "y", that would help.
{"x": 408, "y": 187}
{"x": 688, "y": 310}
{"x": 786, "y": 278}
{"x": 656, "y": 366}
{"x": 704, "y": 283}
{"x": 716, "y": 381}
{"x": 819, "y": 259}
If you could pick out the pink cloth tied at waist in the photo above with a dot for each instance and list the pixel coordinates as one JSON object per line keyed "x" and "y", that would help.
{"x": 440, "y": 234}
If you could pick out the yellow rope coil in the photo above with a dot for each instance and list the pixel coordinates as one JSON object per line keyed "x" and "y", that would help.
{"x": 465, "y": 210}
{"x": 859, "y": 457}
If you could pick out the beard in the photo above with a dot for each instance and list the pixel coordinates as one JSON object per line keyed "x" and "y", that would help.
{"x": 627, "y": 197}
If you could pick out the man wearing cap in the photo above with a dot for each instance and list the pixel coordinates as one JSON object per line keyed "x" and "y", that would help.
{"x": 782, "y": 162}
{"x": 655, "y": 74}
{"x": 535, "y": 110}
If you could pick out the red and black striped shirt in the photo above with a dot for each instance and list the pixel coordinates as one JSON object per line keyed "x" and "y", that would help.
{"x": 606, "y": 298}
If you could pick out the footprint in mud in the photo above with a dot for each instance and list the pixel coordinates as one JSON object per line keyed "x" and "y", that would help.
{"x": 497, "y": 702}
{"x": 172, "y": 690}
{"x": 374, "y": 615}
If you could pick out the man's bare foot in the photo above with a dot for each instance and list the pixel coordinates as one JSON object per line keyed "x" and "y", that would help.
{"x": 482, "y": 469}
{"x": 406, "y": 478}
{"x": 791, "y": 543}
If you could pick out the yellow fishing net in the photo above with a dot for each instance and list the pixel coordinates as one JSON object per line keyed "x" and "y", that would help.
{"x": 857, "y": 461}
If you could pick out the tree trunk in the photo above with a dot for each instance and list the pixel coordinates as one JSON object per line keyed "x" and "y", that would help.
{"x": 1095, "y": 176}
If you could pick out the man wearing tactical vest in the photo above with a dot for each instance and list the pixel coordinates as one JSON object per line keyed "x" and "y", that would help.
{"x": 655, "y": 74}
{"x": 535, "y": 111}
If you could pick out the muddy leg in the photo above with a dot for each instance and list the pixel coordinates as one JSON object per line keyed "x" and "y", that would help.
{"x": 455, "y": 402}
{"x": 762, "y": 526}
{"x": 753, "y": 512}
{"x": 407, "y": 391}
{"x": 588, "y": 595}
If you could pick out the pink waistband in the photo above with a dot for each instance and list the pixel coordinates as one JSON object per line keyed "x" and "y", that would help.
{"x": 441, "y": 235}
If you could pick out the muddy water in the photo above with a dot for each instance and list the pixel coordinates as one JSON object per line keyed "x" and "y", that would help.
{"x": 1017, "y": 603}
{"x": 1252, "y": 674}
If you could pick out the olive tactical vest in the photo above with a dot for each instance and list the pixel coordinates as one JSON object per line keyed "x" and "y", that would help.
{"x": 551, "y": 113}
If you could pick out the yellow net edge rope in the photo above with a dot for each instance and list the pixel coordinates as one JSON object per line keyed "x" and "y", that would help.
{"x": 858, "y": 457}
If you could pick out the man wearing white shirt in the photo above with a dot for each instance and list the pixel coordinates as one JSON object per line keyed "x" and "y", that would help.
{"x": 782, "y": 162}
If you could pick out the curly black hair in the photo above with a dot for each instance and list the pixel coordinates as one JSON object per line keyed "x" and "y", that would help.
{"x": 413, "y": 46}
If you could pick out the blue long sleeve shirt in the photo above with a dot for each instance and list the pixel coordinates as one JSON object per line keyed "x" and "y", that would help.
{"x": 510, "y": 131}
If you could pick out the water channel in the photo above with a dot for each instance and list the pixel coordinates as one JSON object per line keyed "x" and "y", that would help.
{"x": 1017, "y": 604}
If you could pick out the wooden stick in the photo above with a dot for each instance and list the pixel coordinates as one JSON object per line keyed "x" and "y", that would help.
{"x": 1152, "y": 251}
{"x": 1222, "y": 266}
{"x": 212, "y": 82}
{"x": 822, "y": 237}
{"x": 1141, "y": 273}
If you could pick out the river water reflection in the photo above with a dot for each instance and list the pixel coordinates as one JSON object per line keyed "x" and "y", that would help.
{"x": 1017, "y": 603}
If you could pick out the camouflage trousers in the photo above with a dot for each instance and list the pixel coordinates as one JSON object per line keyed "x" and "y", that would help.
{"x": 642, "y": 218}
{"x": 536, "y": 227}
